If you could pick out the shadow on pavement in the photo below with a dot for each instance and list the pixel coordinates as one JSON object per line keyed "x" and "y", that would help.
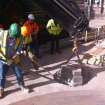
{"x": 46, "y": 76}
{"x": 90, "y": 72}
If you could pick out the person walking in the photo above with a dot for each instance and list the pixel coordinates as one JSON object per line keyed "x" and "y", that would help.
{"x": 54, "y": 29}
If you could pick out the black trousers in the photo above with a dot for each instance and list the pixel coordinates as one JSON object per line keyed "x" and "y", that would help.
{"x": 34, "y": 47}
{"x": 55, "y": 43}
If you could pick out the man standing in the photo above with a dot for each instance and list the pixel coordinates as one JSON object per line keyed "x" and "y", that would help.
{"x": 54, "y": 30}
{"x": 33, "y": 29}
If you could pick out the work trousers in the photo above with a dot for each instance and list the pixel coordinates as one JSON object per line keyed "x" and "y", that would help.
{"x": 3, "y": 72}
{"x": 55, "y": 43}
{"x": 34, "y": 47}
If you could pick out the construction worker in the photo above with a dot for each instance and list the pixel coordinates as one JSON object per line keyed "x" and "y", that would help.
{"x": 33, "y": 29}
{"x": 54, "y": 30}
{"x": 30, "y": 41}
{"x": 10, "y": 47}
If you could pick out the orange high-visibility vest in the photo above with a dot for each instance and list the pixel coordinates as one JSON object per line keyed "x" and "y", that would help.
{"x": 32, "y": 26}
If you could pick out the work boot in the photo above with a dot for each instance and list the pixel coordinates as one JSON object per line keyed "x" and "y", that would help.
{"x": 36, "y": 65}
{"x": 1, "y": 93}
{"x": 24, "y": 89}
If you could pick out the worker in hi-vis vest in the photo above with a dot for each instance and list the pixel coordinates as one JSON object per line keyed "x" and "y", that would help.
{"x": 33, "y": 29}
{"x": 10, "y": 48}
{"x": 29, "y": 31}
{"x": 54, "y": 30}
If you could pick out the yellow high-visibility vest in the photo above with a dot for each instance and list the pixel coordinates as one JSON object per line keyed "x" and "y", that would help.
{"x": 53, "y": 29}
{"x": 3, "y": 43}
{"x": 27, "y": 40}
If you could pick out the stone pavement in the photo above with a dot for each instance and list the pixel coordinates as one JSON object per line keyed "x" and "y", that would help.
{"x": 44, "y": 89}
{"x": 66, "y": 98}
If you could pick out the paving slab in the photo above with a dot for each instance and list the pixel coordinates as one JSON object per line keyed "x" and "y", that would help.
{"x": 66, "y": 98}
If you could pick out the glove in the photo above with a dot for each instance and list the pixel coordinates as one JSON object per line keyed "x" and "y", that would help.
{"x": 16, "y": 59}
{"x": 9, "y": 62}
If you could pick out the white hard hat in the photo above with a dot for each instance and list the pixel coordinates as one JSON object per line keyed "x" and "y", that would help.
{"x": 51, "y": 20}
{"x": 31, "y": 17}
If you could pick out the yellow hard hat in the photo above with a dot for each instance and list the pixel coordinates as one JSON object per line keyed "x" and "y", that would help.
{"x": 24, "y": 31}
